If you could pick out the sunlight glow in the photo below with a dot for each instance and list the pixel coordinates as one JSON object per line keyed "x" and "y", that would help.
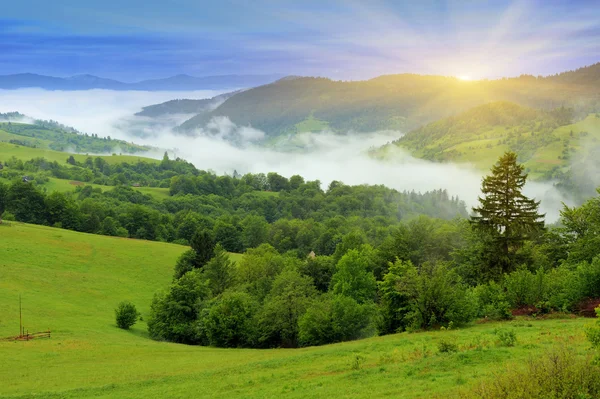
{"x": 464, "y": 77}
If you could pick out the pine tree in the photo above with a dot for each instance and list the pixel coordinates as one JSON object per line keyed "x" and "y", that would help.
{"x": 505, "y": 214}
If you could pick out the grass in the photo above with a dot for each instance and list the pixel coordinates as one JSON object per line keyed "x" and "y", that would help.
{"x": 8, "y": 150}
{"x": 71, "y": 282}
{"x": 483, "y": 149}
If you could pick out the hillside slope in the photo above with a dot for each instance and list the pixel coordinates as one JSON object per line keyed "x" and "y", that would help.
{"x": 19, "y": 129}
{"x": 401, "y": 102}
{"x": 549, "y": 143}
{"x": 70, "y": 283}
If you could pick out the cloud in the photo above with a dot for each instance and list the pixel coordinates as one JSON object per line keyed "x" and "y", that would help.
{"x": 321, "y": 156}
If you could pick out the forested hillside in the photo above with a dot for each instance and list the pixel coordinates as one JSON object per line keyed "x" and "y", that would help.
{"x": 53, "y": 135}
{"x": 184, "y": 106}
{"x": 402, "y": 102}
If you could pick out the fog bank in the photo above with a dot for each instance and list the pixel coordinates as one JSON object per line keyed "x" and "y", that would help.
{"x": 325, "y": 156}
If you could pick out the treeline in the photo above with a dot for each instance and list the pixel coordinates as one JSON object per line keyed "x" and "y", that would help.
{"x": 427, "y": 273}
{"x": 424, "y": 275}
{"x": 295, "y": 215}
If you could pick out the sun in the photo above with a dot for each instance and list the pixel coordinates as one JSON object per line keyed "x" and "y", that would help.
{"x": 464, "y": 77}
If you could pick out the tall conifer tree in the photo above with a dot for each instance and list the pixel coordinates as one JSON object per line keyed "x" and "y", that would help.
{"x": 508, "y": 216}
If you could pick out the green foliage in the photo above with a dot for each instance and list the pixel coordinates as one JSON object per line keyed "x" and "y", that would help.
{"x": 431, "y": 296}
{"x": 220, "y": 271}
{"x": 230, "y": 321}
{"x": 559, "y": 374}
{"x": 492, "y": 301}
{"x": 26, "y": 203}
{"x": 506, "y": 337}
{"x": 53, "y": 135}
{"x": 447, "y": 346}
{"x": 173, "y": 313}
{"x": 336, "y": 318}
{"x": 593, "y": 332}
{"x": 3, "y": 192}
{"x": 354, "y": 277}
{"x": 203, "y": 245}
{"x": 126, "y": 315}
{"x": 287, "y": 302}
{"x": 505, "y": 213}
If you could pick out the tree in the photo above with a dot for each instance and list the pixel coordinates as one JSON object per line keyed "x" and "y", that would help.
{"x": 336, "y": 318}
{"x": 354, "y": 277}
{"x": 173, "y": 313}
{"x": 126, "y": 315}
{"x": 286, "y": 303}
{"x": 219, "y": 271}
{"x": 203, "y": 245}
{"x": 230, "y": 321}
{"x": 3, "y": 191}
{"x": 26, "y": 202}
{"x": 505, "y": 214}
{"x": 254, "y": 231}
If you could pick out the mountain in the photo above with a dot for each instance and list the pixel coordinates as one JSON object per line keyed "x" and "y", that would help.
{"x": 174, "y": 83}
{"x": 398, "y": 102}
{"x": 185, "y": 106}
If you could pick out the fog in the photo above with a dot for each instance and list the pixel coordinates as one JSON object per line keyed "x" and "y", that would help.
{"x": 323, "y": 156}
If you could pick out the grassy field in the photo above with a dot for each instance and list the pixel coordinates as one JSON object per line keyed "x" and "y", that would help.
{"x": 8, "y": 150}
{"x": 70, "y": 282}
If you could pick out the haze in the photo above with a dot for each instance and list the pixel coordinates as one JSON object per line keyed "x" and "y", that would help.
{"x": 327, "y": 156}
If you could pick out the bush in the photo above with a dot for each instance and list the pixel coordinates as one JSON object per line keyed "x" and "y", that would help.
{"x": 445, "y": 346}
{"x": 492, "y": 302}
{"x": 593, "y": 332}
{"x": 561, "y": 374}
{"x": 126, "y": 315}
{"x": 506, "y": 337}
{"x": 336, "y": 318}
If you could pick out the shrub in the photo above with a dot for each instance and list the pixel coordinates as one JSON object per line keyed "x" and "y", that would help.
{"x": 492, "y": 302}
{"x": 336, "y": 318}
{"x": 593, "y": 332}
{"x": 506, "y": 337}
{"x": 445, "y": 346}
{"x": 560, "y": 374}
{"x": 126, "y": 315}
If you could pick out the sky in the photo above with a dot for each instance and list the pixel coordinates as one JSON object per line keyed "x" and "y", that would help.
{"x": 142, "y": 39}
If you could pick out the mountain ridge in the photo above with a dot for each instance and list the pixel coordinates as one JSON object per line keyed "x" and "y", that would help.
{"x": 179, "y": 82}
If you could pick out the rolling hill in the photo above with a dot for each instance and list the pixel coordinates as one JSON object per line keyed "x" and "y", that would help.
{"x": 400, "y": 102}
{"x": 174, "y": 83}
{"x": 184, "y": 106}
{"x": 71, "y": 282}
{"x": 550, "y": 144}
{"x": 19, "y": 129}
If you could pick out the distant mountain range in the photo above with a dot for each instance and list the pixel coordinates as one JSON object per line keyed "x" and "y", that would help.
{"x": 173, "y": 83}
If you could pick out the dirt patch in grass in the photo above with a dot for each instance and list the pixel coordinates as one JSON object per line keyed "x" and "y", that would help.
{"x": 76, "y": 183}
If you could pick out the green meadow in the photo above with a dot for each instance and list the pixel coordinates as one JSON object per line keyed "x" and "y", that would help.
{"x": 71, "y": 282}
{"x": 8, "y": 150}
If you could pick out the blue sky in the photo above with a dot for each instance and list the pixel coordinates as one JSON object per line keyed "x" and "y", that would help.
{"x": 133, "y": 39}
